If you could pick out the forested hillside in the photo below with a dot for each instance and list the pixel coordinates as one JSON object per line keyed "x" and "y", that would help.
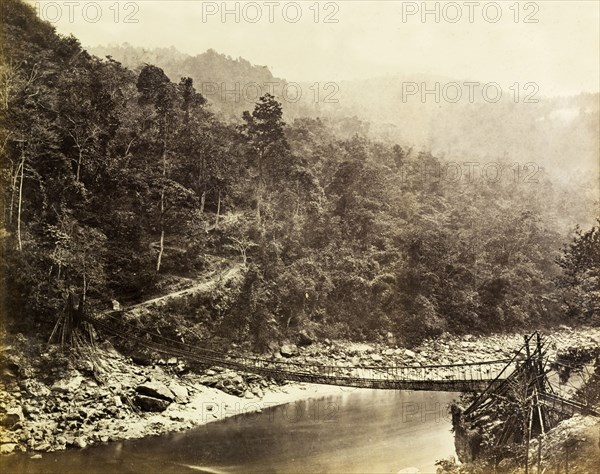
{"x": 224, "y": 80}
{"x": 115, "y": 182}
{"x": 525, "y": 124}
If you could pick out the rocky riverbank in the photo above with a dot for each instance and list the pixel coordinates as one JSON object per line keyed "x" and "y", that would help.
{"x": 51, "y": 401}
{"x": 56, "y": 401}
{"x": 573, "y": 446}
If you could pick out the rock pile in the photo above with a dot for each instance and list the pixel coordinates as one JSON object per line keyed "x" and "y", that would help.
{"x": 228, "y": 381}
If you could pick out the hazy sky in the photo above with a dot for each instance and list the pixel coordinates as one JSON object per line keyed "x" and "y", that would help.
{"x": 370, "y": 38}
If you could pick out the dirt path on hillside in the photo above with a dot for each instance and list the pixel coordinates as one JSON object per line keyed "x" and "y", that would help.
{"x": 203, "y": 285}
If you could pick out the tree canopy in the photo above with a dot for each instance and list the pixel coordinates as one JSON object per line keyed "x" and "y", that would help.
{"x": 115, "y": 182}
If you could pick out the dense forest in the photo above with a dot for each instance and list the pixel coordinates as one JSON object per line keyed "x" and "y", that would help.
{"x": 115, "y": 181}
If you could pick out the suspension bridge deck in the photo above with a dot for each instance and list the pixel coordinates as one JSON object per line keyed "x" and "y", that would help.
{"x": 467, "y": 377}
{"x": 485, "y": 377}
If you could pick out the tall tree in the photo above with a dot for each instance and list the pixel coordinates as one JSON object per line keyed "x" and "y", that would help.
{"x": 157, "y": 90}
{"x": 264, "y": 131}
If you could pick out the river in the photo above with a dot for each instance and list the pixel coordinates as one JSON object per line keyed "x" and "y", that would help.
{"x": 357, "y": 431}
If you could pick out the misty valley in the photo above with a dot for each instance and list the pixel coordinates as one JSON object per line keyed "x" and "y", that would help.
{"x": 208, "y": 268}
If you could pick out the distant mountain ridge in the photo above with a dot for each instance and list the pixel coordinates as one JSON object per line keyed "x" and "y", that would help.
{"x": 226, "y": 82}
{"x": 557, "y": 133}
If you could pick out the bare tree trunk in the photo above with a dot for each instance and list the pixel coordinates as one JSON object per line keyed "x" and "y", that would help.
{"x": 19, "y": 243}
{"x": 202, "y": 201}
{"x": 259, "y": 186}
{"x": 297, "y": 213}
{"x": 162, "y": 203}
{"x": 258, "y": 202}
{"x": 78, "y": 165}
{"x": 13, "y": 192}
{"x": 218, "y": 210}
{"x": 84, "y": 294}
{"x": 162, "y": 230}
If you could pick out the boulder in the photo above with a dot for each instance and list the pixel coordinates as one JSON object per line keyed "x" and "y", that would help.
{"x": 7, "y": 448}
{"x": 156, "y": 390}
{"x": 86, "y": 412}
{"x": 151, "y": 404}
{"x": 80, "y": 442}
{"x": 11, "y": 369}
{"x": 288, "y": 350}
{"x": 376, "y": 357}
{"x": 43, "y": 446}
{"x": 85, "y": 366}
{"x": 410, "y": 354}
{"x": 273, "y": 347}
{"x": 67, "y": 385}
{"x": 141, "y": 359}
{"x": 180, "y": 392}
{"x": 182, "y": 368}
{"x": 36, "y": 389}
{"x": 258, "y": 392}
{"x": 304, "y": 339}
{"x": 210, "y": 380}
{"x": 11, "y": 417}
{"x": 360, "y": 349}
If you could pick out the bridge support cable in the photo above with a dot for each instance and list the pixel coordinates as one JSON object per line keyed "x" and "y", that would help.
{"x": 475, "y": 376}
{"x": 498, "y": 383}
{"x": 533, "y": 407}
{"x": 442, "y": 377}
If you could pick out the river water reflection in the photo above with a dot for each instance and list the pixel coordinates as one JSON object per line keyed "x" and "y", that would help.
{"x": 357, "y": 431}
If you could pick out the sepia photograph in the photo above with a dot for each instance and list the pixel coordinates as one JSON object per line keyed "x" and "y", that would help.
{"x": 299, "y": 237}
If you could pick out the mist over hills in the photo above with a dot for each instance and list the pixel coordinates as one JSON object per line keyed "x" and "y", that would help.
{"x": 215, "y": 75}
{"x": 153, "y": 215}
{"x": 558, "y": 134}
